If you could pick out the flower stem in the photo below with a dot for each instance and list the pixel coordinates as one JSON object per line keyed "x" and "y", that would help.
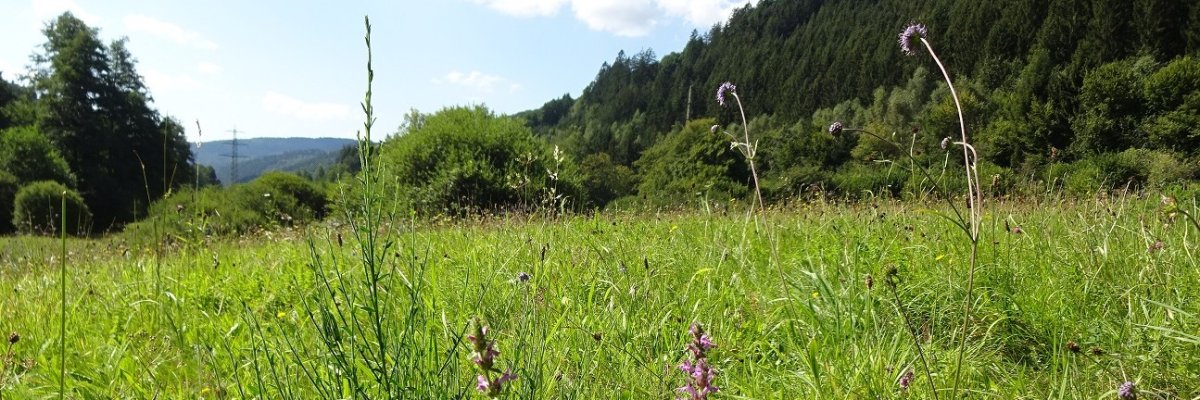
{"x": 751, "y": 149}
{"x": 972, "y": 201}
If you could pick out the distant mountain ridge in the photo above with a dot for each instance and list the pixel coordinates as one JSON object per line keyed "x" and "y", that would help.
{"x": 259, "y": 155}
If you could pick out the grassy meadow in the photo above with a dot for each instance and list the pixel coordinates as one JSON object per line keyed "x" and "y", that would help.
{"x": 813, "y": 300}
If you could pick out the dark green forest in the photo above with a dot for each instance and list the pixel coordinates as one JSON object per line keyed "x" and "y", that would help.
{"x": 1082, "y": 93}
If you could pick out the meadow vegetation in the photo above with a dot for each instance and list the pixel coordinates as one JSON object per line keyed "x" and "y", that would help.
{"x": 469, "y": 254}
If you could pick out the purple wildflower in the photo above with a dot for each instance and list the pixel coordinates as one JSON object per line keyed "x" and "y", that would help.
{"x": 1127, "y": 391}
{"x": 906, "y": 380}
{"x": 725, "y": 87}
{"x": 700, "y": 374}
{"x": 835, "y": 128}
{"x": 523, "y": 277}
{"x": 911, "y": 35}
{"x": 484, "y": 357}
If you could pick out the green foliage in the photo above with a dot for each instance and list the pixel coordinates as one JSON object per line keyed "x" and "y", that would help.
{"x": 1173, "y": 97}
{"x": 463, "y": 160}
{"x": 94, "y": 107}
{"x": 311, "y": 199}
{"x": 8, "y": 194}
{"x": 274, "y": 200}
{"x": 692, "y": 162}
{"x": 29, "y": 156}
{"x": 38, "y": 208}
{"x": 1112, "y": 103}
{"x": 605, "y": 180}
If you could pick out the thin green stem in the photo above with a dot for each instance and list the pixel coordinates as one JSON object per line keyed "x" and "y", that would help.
{"x": 973, "y": 201}
{"x": 891, "y": 283}
{"x": 62, "y": 280}
{"x": 750, "y": 152}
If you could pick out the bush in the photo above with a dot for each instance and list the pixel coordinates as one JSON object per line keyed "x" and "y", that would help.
{"x": 463, "y": 160}
{"x": 858, "y": 180}
{"x": 305, "y": 192}
{"x": 273, "y": 200}
{"x": 692, "y": 162}
{"x": 38, "y": 209}
{"x": 605, "y": 180}
{"x": 29, "y": 156}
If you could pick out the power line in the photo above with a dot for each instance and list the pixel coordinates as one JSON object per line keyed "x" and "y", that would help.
{"x": 233, "y": 157}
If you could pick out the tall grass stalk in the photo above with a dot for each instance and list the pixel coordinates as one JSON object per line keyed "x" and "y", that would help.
{"x": 62, "y": 283}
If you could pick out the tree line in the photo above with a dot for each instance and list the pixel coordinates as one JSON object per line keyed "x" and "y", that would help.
{"x": 83, "y": 121}
{"x": 1103, "y": 89}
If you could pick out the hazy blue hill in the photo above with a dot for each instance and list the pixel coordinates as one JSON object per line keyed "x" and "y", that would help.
{"x": 259, "y": 155}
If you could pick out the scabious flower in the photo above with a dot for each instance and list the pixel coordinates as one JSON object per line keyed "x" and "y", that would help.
{"x": 835, "y": 128}
{"x": 910, "y": 37}
{"x": 906, "y": 380}
{"x": 484, "y": 357}
{"x": 1127, "y": 391}
{"x": 700, "y": 374}
{"x": 725, "y": 87}
{"x": 945, "y": 142}
{"x": 523, "y": 277}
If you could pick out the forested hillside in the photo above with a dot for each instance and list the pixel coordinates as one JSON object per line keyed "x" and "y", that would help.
{"x": 1076, "y": 83}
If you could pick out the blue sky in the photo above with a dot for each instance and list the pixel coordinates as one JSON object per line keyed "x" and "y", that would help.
{"x": 275, "y": 68}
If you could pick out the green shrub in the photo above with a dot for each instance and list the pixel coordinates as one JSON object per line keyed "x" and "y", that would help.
{"x": 38, "y": 209}
{"x": 30, "y": 156}
{"x": 8, "y": 193}
{"x": 305, "y": 192}
{"x": 692, "y": 162}
{"x": 605, "y": 180}
{"x": 463, "y": 160}
{"x": 858, "y": 180}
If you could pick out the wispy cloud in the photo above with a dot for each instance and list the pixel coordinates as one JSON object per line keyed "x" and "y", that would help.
{"x": 524, "y": 8}
{"x": 625, "y": 17}
{"x": 159, "y": 82}
{"x": 167, "y": 30}
{"x": 313, "y": 111}
{"x": 209, "y": 68}
{"x": 475, "y": 80}
{"x": 45, "y": 10}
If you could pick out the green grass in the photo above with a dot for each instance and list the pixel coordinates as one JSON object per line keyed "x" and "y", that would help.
{"x": 606, "y": 312}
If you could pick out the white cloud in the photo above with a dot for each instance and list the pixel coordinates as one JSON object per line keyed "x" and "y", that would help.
{"x": 209, "y": 68}
{"x": 45, "y": 10}
{"x": 474, "y": 79}
{"x": 621, "y": 17}
{"x": 625, "y": 17}
{"x": 702, "y": 13}
{"x": 157, "y": 27}
{"x": 290, "y": 106}
{"x": 524, "y": 8}
{"x": 159, "y": 82}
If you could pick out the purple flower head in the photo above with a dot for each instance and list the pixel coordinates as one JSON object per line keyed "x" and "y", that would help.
{"x": 508, "y": 375}
{"x": 523, "y": 277}
{"x": 1127, "y": 391}
{"x": 725, "y": 87}
{"x": 835, "y": 128}
{"x": 910, "y": 37}
{"x": 483, "y": 384}
{"x": 906, "y": 380}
